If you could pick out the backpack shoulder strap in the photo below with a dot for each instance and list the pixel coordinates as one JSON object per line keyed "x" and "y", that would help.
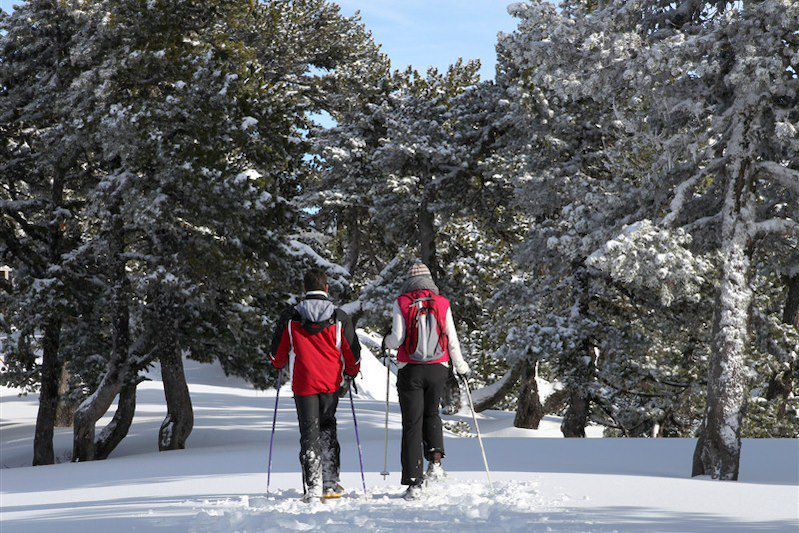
{"x": 410, "y": 327}
{"x": 441, "y": 321}
{"x": 338, "y": 327}
{"x": 291, "y": 315}
{"x": 291, "y": 339}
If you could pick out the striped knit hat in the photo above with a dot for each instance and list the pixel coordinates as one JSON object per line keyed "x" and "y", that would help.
{"x": 419, "y": 269}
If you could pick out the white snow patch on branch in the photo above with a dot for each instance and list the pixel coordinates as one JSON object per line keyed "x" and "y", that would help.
{"x": 248, "y": 122}
{"x": 248, "y": 175}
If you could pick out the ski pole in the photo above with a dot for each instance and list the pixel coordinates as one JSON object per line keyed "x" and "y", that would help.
{"x": 477, "y": 428}
{"x": 357, "y": 438}
{"x": 385, "y": 472}
{"x": 272, "y": 438}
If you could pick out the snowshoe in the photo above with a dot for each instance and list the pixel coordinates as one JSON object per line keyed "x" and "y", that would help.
{"x": 413, "y": 492}
{"x": 333, "y": 492}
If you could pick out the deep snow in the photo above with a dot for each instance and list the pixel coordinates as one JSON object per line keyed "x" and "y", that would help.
{"x": 218, "y": 483}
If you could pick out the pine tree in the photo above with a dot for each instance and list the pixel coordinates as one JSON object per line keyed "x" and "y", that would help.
{"x": 44, "y": 186}
{"x": 192, "y": 120}
{"x": 690, "y": 89}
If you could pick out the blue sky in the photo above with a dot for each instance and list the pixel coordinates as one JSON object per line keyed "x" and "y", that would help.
{"x": 426, "y": 33}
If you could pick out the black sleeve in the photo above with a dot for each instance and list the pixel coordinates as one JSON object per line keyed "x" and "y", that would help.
{"x": 349, "y": 334}
{"x": 280, "y": 325}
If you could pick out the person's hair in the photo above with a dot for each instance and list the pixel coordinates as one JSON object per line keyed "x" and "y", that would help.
{"x": 314, "y": 279}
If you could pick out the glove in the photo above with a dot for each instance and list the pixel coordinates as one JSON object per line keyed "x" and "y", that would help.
{"x": 463, "y": 371}
{"x": 385, "y": 354}
{"x": 349, "y": 381}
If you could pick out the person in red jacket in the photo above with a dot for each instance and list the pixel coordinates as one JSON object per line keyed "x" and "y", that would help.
{"x": 322, "y": 339}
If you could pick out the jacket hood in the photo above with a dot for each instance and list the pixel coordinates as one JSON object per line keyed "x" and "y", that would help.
{"x": 315, "y": 309}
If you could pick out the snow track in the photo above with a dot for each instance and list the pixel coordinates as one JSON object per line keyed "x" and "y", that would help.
{"x": 512, "y": 506}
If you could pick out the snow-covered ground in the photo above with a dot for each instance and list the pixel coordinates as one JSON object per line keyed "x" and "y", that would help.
{"x": 218, "y": 484}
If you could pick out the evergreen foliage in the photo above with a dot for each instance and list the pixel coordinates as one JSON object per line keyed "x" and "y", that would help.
{"x": 615, "y": 216}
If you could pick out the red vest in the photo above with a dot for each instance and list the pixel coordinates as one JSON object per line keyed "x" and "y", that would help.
{"x": 441, "y": 305}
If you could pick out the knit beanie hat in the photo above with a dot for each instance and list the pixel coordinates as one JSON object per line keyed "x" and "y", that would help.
{"x": 419, "y": 269}
{"x": 419, "y": 279}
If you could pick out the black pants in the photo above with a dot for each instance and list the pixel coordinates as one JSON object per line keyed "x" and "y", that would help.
{"x": 320, "y": 454}
{"x": 420, "y": 388}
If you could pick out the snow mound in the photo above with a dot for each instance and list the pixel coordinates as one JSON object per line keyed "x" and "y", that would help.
{"x": 372, "y": 379}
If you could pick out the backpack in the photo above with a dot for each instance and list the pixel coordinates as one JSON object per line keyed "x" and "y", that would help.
{"x": 423, "y": 338}
{"x": 314, "y": 328}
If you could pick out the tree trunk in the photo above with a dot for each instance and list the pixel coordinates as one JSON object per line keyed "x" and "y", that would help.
{"x": 790, "y": 314}
{"x": 576, "y": 417}
{"x": 43, "y": 453}
{"x": 502, "y": 387}
{"x": 581, "y": 361}
{"x": 427, "y": 239}
{"x": 118, "y": 428}
{"x": 353, "y": 244}
{"x": 529, "y": 411}
{"x": 96, "y": 405}
{"x": 179, "y": 421}
{"x": 65, "y": 411}
{"x": 92, "y": 409}
{"x": 718, "y": 451}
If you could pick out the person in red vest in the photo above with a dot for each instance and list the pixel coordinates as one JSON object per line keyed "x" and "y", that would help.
{"x": 326, "y": 353}
{"x": 423, "y": 333}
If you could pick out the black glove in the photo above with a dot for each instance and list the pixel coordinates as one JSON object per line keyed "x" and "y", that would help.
{"x": 385, "y": 355}
{"x": 349, "y": 381}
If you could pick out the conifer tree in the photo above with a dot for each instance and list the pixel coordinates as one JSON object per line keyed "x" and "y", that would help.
{"x": 687, "y": 92}
{"x": 192, "y": 120}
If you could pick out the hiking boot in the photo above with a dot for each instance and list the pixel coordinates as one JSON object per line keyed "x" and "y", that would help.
{"x": 333, "y": 491}
{"x": 413, "y": 492}
{"x": 311, "y": 494}
{"x": 435, "y": 472}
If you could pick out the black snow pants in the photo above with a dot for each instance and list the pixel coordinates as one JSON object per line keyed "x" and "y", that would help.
{"x": 320, "y": 454}
{"x": 420, "y": 388}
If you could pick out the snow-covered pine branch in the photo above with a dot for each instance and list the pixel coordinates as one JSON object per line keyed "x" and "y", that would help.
{"x": 782, "y": 174}
{"x": 774, "y": 225}
{"x": 679, "y": 198}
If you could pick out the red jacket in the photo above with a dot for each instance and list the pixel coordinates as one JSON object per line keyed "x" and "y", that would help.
{"x": 323, "y": 341}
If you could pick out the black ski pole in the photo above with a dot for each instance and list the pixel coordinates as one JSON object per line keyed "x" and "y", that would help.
{"x": 386, "y": 361}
